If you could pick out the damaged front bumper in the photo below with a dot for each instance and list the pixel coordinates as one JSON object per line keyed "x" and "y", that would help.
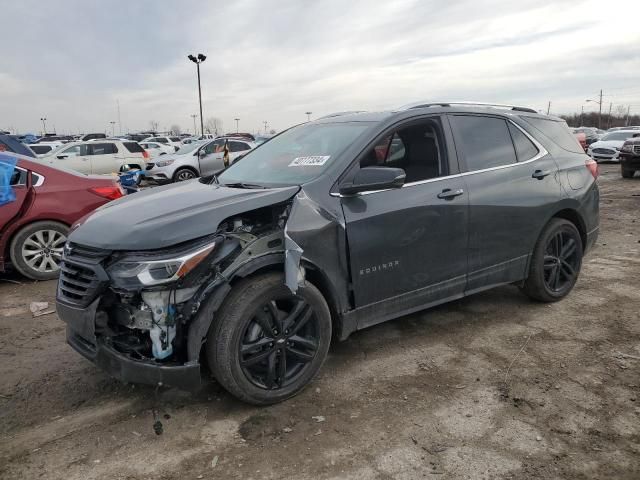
{"x": 81, "y": 337}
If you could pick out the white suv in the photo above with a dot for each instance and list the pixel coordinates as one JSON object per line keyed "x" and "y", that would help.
{"x": 98, "y": 157}
{"x": 196, "y": 159}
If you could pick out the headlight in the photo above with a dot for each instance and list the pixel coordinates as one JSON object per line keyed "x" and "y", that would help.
{"x": 627, "y": 147}
{"x": 164, "y": 163}
{"x": 145, "y": 270}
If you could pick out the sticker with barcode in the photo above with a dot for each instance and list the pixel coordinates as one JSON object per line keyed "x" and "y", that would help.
{"x": 310, "y": 161}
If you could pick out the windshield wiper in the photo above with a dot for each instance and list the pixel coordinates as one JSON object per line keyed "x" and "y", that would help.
{"x": 242, "y": 185}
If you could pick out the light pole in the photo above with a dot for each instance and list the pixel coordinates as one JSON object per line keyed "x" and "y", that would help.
{"x": 44, "y": 125}
{"x": 194, "y": 123}
{"x": 237, "y": 123}
{"x": 265, "y": 126}
{"x": 198, "y": 60}
{"x": 113, "y": 128}
{"x": 308, "y": 114}
{"x": 600, "y": 105}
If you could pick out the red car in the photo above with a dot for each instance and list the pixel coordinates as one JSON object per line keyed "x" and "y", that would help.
{"x": 34, "y": 227}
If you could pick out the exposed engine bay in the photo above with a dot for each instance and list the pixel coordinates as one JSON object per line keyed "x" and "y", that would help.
{"x": 152, "y": 323}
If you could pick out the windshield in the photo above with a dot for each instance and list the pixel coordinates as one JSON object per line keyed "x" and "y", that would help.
{"x": 296, "y": 156}
{"x": 617, "y": 136}
{"x": 188, "y": 147}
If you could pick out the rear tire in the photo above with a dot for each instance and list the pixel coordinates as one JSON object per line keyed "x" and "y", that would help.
{"x": 261, "y": 323}
{"x": 555, "y": 263}
{"x": 627, "y": 172}
{"x": 36, "y": 250}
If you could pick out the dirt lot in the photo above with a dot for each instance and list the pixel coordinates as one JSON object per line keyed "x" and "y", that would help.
{"x": 492, "y": 386}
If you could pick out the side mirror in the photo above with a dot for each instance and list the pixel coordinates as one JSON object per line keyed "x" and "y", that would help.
{"x": 202, "y": 153}
{"x": 374, "y": 178}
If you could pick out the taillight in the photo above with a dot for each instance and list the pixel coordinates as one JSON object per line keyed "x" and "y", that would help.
{"x": 145, "y": 155}
{"x": 592, "y": 166}
{"x": 110, "y": 193}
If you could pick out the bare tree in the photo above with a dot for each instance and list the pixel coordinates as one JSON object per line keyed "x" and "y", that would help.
{"x": 175, "y": 129}
{"x": 621, "y": 111}
{"x": 213, "y": 125}
{"x": 154, "y": 125}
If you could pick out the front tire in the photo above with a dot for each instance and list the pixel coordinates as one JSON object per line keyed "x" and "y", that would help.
{"x": 36, "y": 250}
{"x": 183, "y": 174}
{"x": 556, "y": 261}
{"x": 266, "y": 344}
{"x": 627, "y": 172}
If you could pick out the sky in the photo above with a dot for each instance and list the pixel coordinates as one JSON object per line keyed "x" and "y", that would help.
{"x": 72, "y": 62}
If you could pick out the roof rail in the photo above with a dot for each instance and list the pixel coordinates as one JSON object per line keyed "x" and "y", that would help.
{"x": 471, "y": 104}
{"x": 339, "y": 114}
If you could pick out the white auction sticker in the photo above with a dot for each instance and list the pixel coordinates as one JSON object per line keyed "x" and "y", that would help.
{"x": 310, "y": 161}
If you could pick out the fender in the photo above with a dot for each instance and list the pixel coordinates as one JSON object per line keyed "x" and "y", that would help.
{"x": 214, "y": 293}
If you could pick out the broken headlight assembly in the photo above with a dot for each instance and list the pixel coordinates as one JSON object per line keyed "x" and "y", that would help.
{"x": 137, "y": 270}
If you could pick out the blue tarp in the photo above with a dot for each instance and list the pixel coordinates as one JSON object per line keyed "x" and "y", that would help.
{"x": 7, "y": 166}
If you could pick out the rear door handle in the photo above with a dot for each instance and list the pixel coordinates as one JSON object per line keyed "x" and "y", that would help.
{"x": 448, "y": 194}
{"x": 540, "y": 174}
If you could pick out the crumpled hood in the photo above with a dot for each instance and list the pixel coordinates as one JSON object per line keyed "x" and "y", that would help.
{"x": 165, "y": 216}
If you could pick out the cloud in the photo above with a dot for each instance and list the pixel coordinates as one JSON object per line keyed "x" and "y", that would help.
{"x": 71, "y": 61}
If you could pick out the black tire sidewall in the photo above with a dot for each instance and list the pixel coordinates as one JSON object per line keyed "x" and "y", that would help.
{"x": 535, "y": 286}
{"x": 180, "y": 170}
{"x": 16, "y": 247}
{"x": 230, "y": 323}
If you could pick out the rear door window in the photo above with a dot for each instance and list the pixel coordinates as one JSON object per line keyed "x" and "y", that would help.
{"x": 133, "y": 147}
{"x": 525, "y": 149}
{"x": 556, "y": 131}
{"x": 485, "y": 141}
{"x": 103, "y": 148}
{"x": 238, "y": 147}
{"x": 18, "y": 177}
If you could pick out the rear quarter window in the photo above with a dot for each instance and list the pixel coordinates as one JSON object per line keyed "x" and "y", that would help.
{"x": 133, "y": 147}
{"x": 557, "y": 132}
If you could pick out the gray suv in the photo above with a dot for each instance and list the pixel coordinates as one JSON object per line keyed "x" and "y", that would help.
{"x": 329, "y": 227}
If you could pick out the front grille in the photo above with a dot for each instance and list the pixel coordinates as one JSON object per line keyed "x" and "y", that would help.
{"x": 604, "y": 151}
{"x": 76, "y": 250}
{"x": 636, "y": 149}
{"x": 81, "y": 275}
{"x": 150, "y": 165}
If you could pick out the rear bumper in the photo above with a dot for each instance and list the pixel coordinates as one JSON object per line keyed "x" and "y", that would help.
{"x": 81, "y": 337}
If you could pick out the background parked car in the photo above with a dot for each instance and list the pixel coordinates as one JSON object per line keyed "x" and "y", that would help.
{"x": 608, "y": 147}
{"x": 176, "y": 142}
{"x": 42, "y": 149}
{"x": 156, "y": 149}
{"x": 34, "y": 227}
{"x": 92, "y": 136}
{"x": 98, "y": 157}
{"x": 630, "y": 157}
{"x": 195, "y": 160}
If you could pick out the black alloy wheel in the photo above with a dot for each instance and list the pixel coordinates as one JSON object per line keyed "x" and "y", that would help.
{"x": 265, "y": 343}
{"x": 555, "y": 263}
{"x": 279, "y": 343}
{"x": 561, "y": 262}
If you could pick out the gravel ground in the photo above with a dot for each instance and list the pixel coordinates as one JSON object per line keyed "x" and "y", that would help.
{"x": 491, "y": 386}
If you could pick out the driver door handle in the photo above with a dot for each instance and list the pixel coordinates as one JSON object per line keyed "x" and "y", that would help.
{"x": 540, "y": 174}
{"x": 448, "y": 194}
